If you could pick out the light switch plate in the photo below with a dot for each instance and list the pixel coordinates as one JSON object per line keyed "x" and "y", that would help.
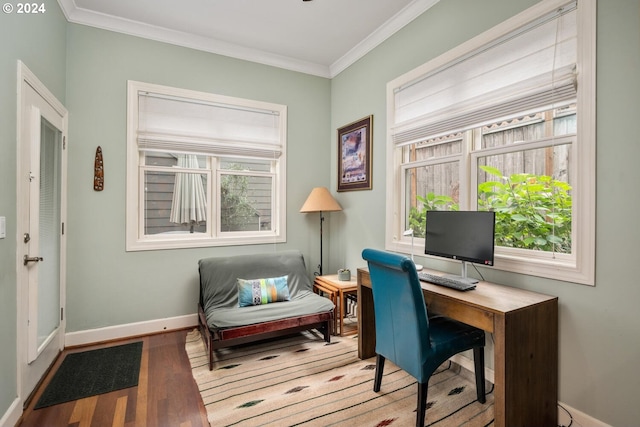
{"x": 3, "y": 227}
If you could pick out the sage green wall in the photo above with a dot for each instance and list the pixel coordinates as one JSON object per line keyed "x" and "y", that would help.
{"x": 108, "y": 286}
{"x": 38, "y": 41}
{"x": 599, "y": 344}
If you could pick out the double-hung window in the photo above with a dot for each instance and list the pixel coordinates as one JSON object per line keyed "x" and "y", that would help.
{"x": 203, "y": 169}
{"x": 504, "y": 122}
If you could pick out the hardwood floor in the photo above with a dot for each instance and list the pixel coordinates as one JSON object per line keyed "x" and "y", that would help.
{"x": 166, "y": 394}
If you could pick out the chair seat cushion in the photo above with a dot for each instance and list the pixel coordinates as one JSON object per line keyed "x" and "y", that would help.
{"x": 451, "y": 336}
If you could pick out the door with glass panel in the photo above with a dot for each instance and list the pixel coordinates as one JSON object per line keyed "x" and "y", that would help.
{"x": 41, "y": 211}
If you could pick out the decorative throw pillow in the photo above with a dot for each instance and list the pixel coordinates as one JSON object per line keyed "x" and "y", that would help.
{"x": 262, "y": 291}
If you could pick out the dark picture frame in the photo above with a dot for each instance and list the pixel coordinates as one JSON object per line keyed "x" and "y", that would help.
{"x": 354, "y": 155}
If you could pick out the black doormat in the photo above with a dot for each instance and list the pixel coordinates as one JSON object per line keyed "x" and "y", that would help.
{"x": 93, "y": 372}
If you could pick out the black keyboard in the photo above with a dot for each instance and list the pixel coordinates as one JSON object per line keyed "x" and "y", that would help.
{"x": 446, "y": 281}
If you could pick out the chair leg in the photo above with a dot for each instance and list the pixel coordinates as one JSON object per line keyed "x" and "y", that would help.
{"x": 478, "y": 362}
{"x": 422, "y": 403}
{"x": 379, "y": 370}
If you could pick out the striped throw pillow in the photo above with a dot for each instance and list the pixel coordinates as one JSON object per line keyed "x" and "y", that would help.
{"x": 262, "y": 291}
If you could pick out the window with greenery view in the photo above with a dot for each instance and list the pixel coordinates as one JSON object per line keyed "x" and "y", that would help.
{"x": 529, "y": 189}
{"x": 504, "y": 123}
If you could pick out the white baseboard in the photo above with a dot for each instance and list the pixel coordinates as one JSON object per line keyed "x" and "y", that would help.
{"x": 110, "y": 333}
{"x": 11, "y": 417}
{"x": 579, "y": 418}
{"x": 466, "y": 363}
{"x": 565, "y": 416}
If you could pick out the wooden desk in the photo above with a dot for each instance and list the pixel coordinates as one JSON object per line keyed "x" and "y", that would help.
{"x": 525, "y": 331}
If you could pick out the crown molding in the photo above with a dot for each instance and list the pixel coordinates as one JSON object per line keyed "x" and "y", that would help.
{"x": 82, "y": 16}
{"x": 382, "y": 33}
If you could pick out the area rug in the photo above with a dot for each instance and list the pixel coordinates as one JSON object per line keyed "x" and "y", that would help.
{"x": 302, "y": 381}
{"x": 93, "y": 372}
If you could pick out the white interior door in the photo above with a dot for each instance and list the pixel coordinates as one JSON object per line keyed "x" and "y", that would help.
{"x": 41, "y": 240}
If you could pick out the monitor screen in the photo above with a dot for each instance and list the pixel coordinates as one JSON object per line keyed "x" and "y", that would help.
{"x": 461, "y": 235}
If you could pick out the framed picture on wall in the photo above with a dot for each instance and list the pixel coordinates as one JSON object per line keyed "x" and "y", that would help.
{"x": 354, "y": 155}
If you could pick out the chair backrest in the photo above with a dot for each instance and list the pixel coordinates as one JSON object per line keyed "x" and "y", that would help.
{"x": 402, "y": 324}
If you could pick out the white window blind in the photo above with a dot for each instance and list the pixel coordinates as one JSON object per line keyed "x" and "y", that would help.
{"x": 174, "y": 124}
{"x": 528, "y": 70}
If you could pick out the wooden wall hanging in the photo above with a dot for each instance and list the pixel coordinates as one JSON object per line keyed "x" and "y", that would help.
{"x": 98, "y": 171}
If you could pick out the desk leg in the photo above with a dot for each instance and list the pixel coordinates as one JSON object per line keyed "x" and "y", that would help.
{"x": 499, "y": 368}
{"x": 526, "y": 367}
{"x": 366, "y": 323}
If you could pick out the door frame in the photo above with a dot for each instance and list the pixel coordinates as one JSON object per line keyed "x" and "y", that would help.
{"x": 25, "y": 76}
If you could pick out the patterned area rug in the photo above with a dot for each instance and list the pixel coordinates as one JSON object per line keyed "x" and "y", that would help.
{"x": 302, "y": 381}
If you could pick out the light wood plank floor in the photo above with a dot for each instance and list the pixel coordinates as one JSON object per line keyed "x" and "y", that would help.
{"x": 166, "y": 394}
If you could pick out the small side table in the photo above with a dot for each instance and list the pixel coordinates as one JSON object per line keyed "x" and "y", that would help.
{"x": 337, "y": 290}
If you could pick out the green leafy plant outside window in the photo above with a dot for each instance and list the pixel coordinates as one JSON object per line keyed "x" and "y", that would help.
{"x": 430, "y": 202}
{"x": 532, "y": 211}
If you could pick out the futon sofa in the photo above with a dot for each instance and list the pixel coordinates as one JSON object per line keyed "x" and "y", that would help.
{"x": 246, "y": 298}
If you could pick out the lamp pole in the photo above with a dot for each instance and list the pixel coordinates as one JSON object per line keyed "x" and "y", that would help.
{"x": 320, "y": 265}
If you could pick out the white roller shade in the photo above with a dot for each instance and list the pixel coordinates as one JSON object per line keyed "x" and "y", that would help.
{"x": 167, "y": 123}
{"x": 530, "y": 69}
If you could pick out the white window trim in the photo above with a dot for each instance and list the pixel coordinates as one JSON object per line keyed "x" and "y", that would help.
{"x": 136, "y": 241}
{"x": 579, "y": 267}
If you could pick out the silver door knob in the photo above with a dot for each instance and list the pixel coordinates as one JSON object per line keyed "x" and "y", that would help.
{"x": 27, "y": 259}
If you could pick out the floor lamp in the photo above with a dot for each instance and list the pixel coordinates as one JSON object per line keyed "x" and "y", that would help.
{"x": 320, "y": 200}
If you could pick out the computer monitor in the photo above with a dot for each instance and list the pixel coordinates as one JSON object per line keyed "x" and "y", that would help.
{"x": 467, "y": 236}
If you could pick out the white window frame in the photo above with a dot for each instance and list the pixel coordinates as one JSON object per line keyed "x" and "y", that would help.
{"x": 136, "y": 240}
{"x": 577, "y": 267}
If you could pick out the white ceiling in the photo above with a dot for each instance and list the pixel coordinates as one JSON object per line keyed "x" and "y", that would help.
{"x": 319, "y": 37}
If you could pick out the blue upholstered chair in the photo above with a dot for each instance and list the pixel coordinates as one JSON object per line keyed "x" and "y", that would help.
{"x": 406, "y": 335}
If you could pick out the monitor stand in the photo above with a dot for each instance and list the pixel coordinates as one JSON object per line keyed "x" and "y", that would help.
{"x": 463, "y": 276}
